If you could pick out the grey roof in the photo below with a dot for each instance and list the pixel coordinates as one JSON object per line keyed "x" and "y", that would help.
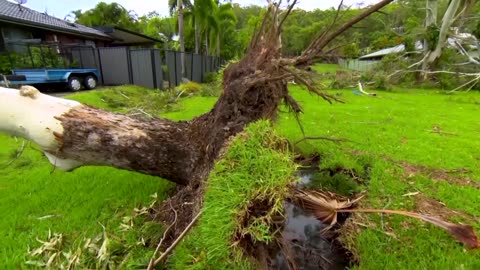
{"x": 383, "y": 52}
{"x": 397, "y": 49}
{"x": 13, "y": 13}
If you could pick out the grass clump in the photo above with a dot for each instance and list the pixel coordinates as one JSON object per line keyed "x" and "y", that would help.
{"x": 133, "y": 100}
{"x": 252, "y": 170}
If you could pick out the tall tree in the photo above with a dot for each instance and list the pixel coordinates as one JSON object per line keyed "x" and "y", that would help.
{"x": 180, "y": 5}
{"x": 197, "y": 16}
{"x": 438, "y": 35}
{"x": 223, "y": 20}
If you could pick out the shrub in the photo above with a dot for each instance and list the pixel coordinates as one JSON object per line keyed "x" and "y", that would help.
{"x": 380, "y": 82}
{"x": 343, "y": 79}
{"x": 211, "y": 77}
{"x": 188, "y": 88}
{"x": 211, "y": 90}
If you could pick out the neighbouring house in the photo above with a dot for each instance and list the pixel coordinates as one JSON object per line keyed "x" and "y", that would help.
{"x": 465, "y": 43}
{"x": 378, "y": 55}
{"x": 125, "y": 37}
{"x": 19, "y": 24}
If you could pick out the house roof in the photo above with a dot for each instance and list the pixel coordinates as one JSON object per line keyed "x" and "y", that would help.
{"x": 383, "y": 52}
{"x": 386, "y": 51}
{"x": 16, "y": 14}
{"x": 126, "y": 37}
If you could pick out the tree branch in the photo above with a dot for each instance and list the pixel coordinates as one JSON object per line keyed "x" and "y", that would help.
{"x": 175, "y": 243}
{"x": 319, "y": 44}
{"x": 286, "y": 15}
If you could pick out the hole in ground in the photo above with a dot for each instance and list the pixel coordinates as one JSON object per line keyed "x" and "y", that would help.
{"x": 300, "y": 242}
{"x": 303, "y": 245}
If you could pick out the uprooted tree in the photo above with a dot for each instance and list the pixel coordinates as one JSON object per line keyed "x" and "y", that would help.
{"x": 72, "y": 134}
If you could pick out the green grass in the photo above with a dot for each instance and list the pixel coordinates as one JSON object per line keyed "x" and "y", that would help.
{"x": 395, "y": 126}
{"x": 78, "y": 202}
{"x": 326, "y": 68}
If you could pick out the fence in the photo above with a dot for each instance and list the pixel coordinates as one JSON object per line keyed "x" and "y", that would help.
{"x": 355, "y": 64}
{"x": 152, "y": 68}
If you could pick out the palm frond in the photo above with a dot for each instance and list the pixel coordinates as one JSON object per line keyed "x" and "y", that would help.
{"x": 326, "y": 206}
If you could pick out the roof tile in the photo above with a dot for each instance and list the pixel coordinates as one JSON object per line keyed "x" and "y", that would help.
{"x": 14, "y": 12}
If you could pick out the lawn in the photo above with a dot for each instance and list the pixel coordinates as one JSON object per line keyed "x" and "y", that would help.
{"x": 405, "y": 142}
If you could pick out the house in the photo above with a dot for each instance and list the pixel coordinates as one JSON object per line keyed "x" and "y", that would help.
{"x": 125, "y": 37}
{"x": 19, "y": 24}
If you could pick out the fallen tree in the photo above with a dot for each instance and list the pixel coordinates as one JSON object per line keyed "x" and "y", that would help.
{"x": 72, "y": 134}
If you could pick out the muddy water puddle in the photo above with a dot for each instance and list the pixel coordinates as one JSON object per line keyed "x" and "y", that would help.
{"x": 304, "y": 244}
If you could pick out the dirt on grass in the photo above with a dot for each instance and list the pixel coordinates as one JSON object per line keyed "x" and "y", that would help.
{"x": 436, "y": 208}
{"x": 452, "y": 176}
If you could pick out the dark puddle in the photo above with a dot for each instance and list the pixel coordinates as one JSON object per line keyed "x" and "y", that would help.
{"x": 303, "y": 244}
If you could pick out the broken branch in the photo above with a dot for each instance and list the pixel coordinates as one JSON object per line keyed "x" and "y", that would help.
{"x": 175, "y": 243}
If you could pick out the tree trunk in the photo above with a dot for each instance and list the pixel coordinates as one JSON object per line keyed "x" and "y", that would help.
{"x": 181, "y": 37}
{"x": 197, "y": 36}
{"x": 72, "y": 134}
{"x": 430, "y": 19}
{"x": 447, "y": 22}
{"x": 206, "y": 43}
{"x": 218, "y": 45}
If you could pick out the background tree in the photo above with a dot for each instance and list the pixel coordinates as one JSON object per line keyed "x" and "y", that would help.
{"x": 223, "y": 21}
{"x": 197, "y": 16}
{"x": 107, "y": 14}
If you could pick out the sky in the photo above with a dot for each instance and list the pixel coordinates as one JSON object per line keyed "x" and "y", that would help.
{"x": 60, "y": 8}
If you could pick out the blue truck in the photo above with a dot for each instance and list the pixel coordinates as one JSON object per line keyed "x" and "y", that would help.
{"x": 74, "y": 78}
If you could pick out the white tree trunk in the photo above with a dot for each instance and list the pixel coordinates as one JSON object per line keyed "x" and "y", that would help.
{"x": 447, "y": 22}
{"x": 72, "y": 134}
{"x": 34, "y": 116}
{"x": 430, "y": 19}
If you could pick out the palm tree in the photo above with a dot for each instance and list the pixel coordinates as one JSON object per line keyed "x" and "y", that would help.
{"x": 223, "y": 20}
{"x": 197, "y": 16}
{"x": 179, "y": 5}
